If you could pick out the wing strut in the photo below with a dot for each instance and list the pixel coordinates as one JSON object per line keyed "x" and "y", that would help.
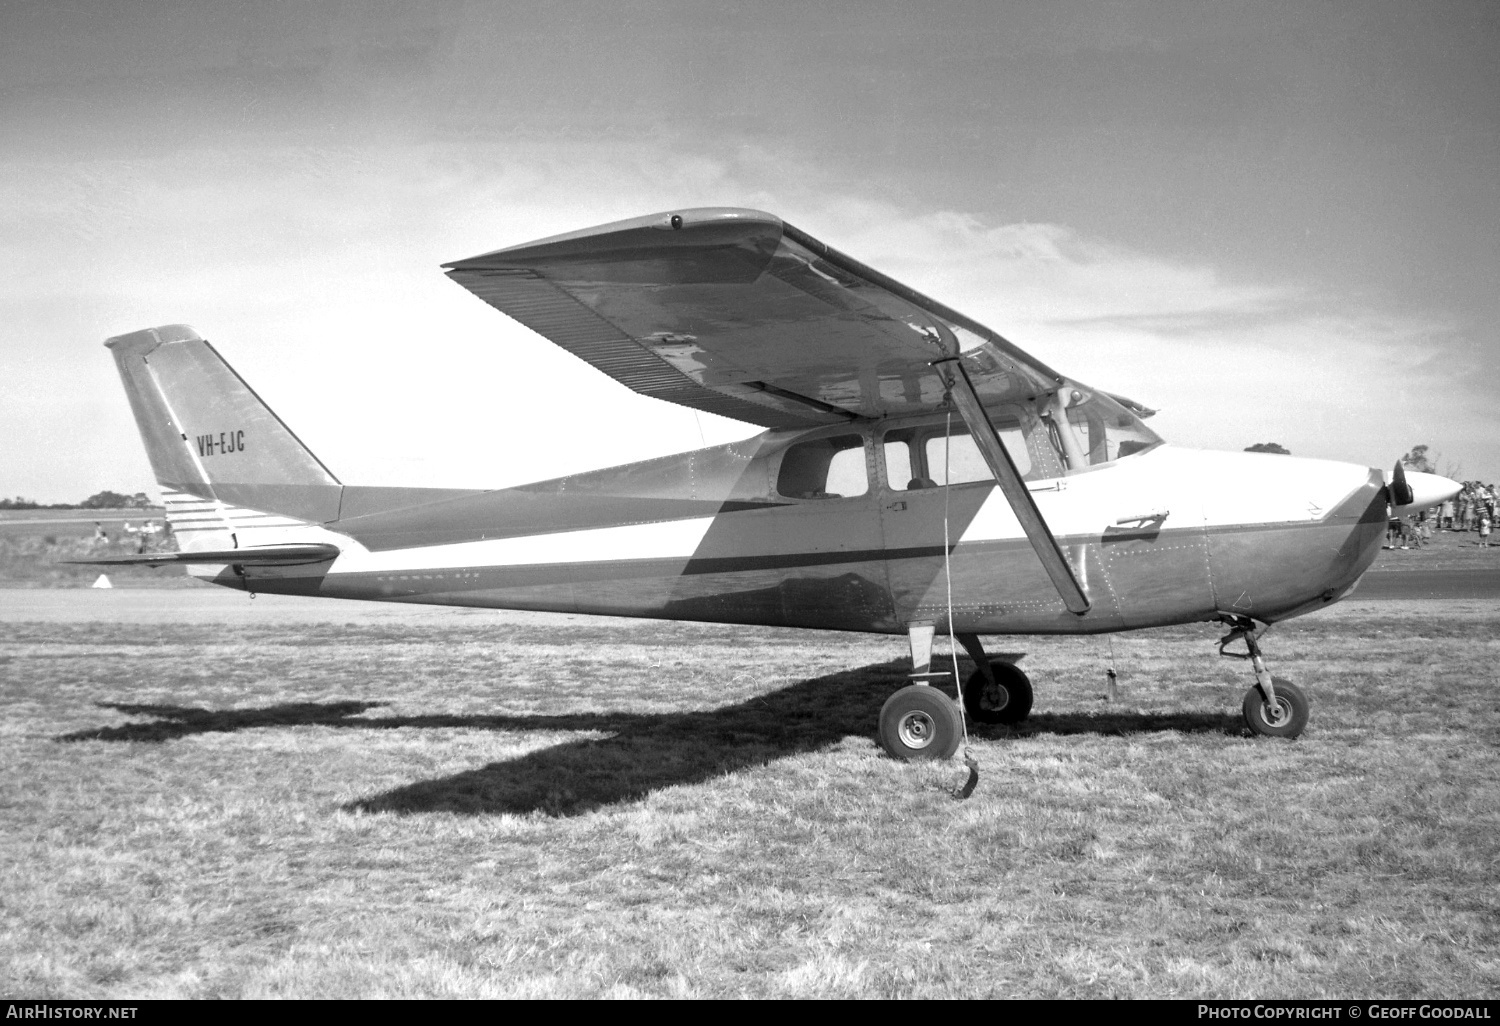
{"x": 1014, "y": 489}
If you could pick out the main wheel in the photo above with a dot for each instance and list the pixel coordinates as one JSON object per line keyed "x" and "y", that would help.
{"x": 1007, "y": 700}
{"x": 920, "y": 722}
{"x": 1286, "y": 718}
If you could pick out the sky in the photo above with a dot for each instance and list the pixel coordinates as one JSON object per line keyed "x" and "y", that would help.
{"x": 1272, "y": 222}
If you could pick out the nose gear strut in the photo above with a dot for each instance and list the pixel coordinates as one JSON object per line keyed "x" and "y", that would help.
{"x": 1244, "y": 630}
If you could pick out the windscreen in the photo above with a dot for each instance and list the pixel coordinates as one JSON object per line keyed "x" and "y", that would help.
{"x": 1095, "y": 429}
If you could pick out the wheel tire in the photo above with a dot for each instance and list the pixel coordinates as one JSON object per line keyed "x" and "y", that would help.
{"x": 1288, "y": 718}
{"x": 1008, "y": 700}
{"x": 920, "y": 722}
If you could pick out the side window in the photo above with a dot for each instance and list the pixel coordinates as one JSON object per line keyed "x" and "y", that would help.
{"x": 898, "y": 475}
{"x": 824, "y": 468}
{"x": 955, "y": 460}
{"x": 964, "y": 461}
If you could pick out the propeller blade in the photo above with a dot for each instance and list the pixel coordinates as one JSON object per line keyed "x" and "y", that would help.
{"x": 1401, "y": 494}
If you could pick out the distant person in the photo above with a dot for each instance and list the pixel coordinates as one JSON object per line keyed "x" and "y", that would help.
{"x": 1446, "y": 523}
{"x": 100, "y": 537}
{"x": 1484, "y": 529}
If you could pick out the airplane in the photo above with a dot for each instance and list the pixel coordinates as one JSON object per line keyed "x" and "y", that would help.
{"x": 917, "y": 473}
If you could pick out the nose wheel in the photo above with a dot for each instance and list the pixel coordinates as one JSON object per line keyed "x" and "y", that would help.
{"x": 1283, "y": 716}
{"x": 1274, "y": 707}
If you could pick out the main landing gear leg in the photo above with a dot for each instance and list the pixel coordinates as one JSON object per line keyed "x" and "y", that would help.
{"x": 1275, "y": 707}
{"x": 920, "y": 721}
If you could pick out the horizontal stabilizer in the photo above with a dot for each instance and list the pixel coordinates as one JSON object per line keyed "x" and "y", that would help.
{"x": 262, "y": 555}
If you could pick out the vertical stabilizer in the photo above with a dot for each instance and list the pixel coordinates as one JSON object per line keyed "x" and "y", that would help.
{"x": 209, "y": 435}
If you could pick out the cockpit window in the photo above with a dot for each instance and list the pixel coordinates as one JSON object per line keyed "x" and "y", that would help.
{"x": 1061, "y": 433}
{"x": 824, "y": 468}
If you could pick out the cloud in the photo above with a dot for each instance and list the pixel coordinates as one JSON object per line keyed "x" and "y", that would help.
{"x": 1041, "y": 273}
{"x": 314, "y": 269}
{"x": 1229, "y": 362}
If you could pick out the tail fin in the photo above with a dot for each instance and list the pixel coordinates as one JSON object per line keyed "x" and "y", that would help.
{"x": 209, "y": 435}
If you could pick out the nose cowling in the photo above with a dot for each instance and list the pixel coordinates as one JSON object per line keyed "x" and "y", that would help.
{"x": 1289, "y": 535}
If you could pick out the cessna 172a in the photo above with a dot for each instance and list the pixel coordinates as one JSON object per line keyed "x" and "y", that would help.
{"x": 918, "y": 473}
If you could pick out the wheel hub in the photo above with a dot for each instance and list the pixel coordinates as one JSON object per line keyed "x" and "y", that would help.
{"x": 1278, "y": 713}
{"x": 916, "y": 729}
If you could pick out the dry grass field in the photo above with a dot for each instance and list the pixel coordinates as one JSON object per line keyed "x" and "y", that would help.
{"x": 207, "y": 797}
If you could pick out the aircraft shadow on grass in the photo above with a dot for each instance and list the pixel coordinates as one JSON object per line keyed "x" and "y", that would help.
{"x": 639, "y": 752}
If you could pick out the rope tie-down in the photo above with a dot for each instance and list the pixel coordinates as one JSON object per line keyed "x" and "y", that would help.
{"x": 964, "y": 790}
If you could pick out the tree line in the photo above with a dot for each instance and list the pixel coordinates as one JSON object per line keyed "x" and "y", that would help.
{"x": 99, "y": 500}
{"x": 1420, "y": 459}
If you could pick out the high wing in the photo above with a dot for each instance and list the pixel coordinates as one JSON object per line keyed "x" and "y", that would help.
{"x": 738, "y": 313}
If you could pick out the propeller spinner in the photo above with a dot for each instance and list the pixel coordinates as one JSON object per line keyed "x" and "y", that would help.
{"x": 1416, "y": 489}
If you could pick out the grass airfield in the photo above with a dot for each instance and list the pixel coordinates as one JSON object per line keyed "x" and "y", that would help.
{"x": 206, "y": 796}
